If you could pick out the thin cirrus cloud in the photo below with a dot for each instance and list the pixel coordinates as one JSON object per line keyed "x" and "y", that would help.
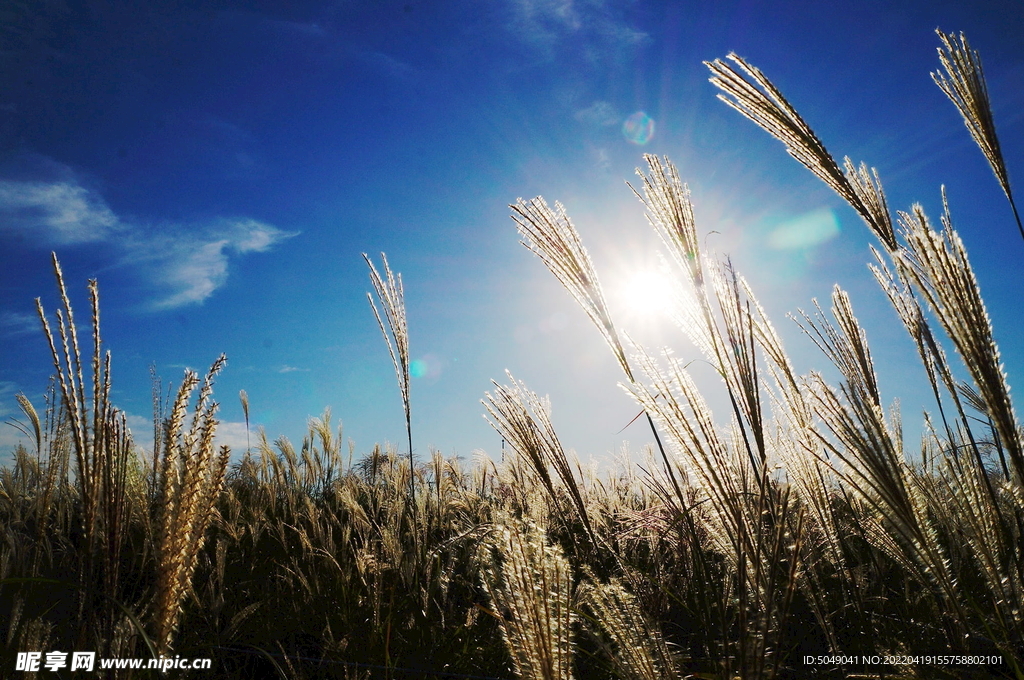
{"x": 185, "y": 265}
{"x": 191, "y": 266}
{"x": 558, "y": 12}
{"x": 600, "y": 114}
{"x": 546, "y": 22}
{"x": 19, "y": 323}
{"x": 57, "y": 212}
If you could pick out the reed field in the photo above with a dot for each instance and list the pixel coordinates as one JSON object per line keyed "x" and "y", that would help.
{"x": 798, "y": 524}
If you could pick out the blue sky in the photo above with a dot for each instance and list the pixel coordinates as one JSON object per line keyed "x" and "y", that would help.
{"x": 221, "y": 166}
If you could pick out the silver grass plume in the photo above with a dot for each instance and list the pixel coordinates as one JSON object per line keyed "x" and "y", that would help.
{"x": 670, "y": 213}
{"x": 964, "y": 84}
{"x": 191, "y": 481}
{"x": 68, "y": 365}
{"x": 103, "y": 450}
{"x": 524, "y": 421}
{"x": 392, "y": 298}
{"x": 748, "y": 91}
{"x": 964, "y": 504}
{"x": 673, "y": 400}
{"x": 871, "y": 449}
{"x": 936, "y": 367}
{"x": 937, "y": 264}
{"x": 552, "y": 237}
{"x": 638, "y": 650}
{"x": 793, "y": 435}
{"x": 529, "y": 582}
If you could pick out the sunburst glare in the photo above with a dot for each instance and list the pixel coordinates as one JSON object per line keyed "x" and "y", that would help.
{"x": 647, "y": 294}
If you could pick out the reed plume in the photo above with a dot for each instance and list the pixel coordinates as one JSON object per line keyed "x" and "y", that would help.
{"x": 530, "y": 583}
{"x": 551, "y": 236}
{"x": 800, "y": 522}
{"x": 191, "y": 479}
{"x": 964, "y": 83}
{"x": 391, "y": 294}
{"x": 936, "y": 262}
{"x": 638, "y": 650}
{"x": 748, "y": 91}
{"x": 524, "y": 420}
{"x": 104, "y": 454}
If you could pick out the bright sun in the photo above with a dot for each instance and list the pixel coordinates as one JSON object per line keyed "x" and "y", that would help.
{"x": 648, "y": 293}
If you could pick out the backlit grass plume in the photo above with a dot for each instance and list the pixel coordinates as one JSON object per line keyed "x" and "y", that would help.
{"x": 530, "y": 583}
{"x": 937, "y": 263}
{"x": 86, "y": 428}
{"x": 524, "y": 420}
{"x": 929, "y": 268}
{"x": 552, "y": 237}
{"x": 637, "y": 648}
{"x": 396, "y": 334}
{"x": 748, "y": 91}
{"x": 964, "y": 84}
{"x": 798, "y": 522}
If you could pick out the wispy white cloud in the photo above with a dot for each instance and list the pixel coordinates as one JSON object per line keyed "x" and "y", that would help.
{"x": 291, "y": 369}
{"x": 546, "y": 22}
{"x": 599, "y": 113}
{"x": 233, "y": 434}
{"x": 543, "y": 23}
{"x": 19, "y": 323}
{"x": 142, "y": 431}
{"x": 7, "y": 404}
{"x": 185, "y": 263}
{"x": 552, "y": 12}
{"x": 58, "y": 212}
{"x": 307, "y": 29}
{"x": 621, "y": 33}
{"x": 10, "y": 436}
{"x": 390, "y": 65}
{"x": 191, "y": 266}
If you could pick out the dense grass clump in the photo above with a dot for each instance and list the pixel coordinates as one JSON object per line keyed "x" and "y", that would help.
{"x": 794, "y": 525}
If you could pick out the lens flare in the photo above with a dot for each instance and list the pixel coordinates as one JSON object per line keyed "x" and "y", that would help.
{"x": 427, "y": 366}
{"x": 638, "y": 128}
{"x": 805, "y": 231}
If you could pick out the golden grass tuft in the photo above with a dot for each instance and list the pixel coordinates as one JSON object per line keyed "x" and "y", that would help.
{"x": 190, "y": 483}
